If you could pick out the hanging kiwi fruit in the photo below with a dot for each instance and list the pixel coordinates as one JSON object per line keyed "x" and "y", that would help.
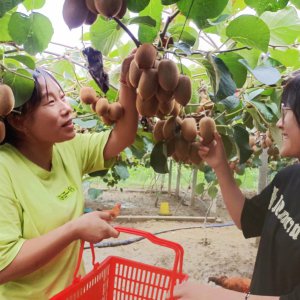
{"x": 7, "y": 100}
{"x": 74, "y": 13}
{"x": 108, "y": 9}
{"x": 207, "y": 129}
{"x": 88, "y": 95}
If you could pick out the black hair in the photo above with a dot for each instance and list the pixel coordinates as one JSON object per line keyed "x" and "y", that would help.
{"x": 291, "y": 95}
{"x": 12, "y": 135}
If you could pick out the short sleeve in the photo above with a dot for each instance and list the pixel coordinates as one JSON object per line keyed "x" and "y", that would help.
{"x": 11, "y": 239}
{"x": 254, "y": 212}
{"x": 89, "y": 150}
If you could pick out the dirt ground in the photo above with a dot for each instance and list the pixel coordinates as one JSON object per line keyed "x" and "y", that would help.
{"x": 210, "y": 249}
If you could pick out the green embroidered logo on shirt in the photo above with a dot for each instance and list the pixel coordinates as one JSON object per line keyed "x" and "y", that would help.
{"x": 66, "y": 193}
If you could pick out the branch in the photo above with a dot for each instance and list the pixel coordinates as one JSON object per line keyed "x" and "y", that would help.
{"x": 122, "y": 25}
{"x": 169, "y": 20}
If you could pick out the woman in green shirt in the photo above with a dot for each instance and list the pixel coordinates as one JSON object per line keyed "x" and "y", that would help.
{"x": 41, "y": 166}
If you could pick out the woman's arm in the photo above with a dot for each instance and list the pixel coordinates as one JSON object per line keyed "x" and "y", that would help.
{"x": 196, "y": 291}
{"x": 215, "y": 156}
{"x": 124, "y": 132}
{"x": 36, "y": 252}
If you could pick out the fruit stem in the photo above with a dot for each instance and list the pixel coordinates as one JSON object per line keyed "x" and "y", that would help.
{"x": 121, "y": 24}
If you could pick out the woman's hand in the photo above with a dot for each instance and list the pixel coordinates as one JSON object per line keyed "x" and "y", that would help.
{"x": 125, "y": 66}
{"x": 214, "y": 153}
{"x": 93, "y": 227}
{"x": 196, "y": 291}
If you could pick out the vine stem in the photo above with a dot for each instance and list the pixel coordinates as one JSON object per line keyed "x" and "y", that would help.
{"x": 122, "y": 25}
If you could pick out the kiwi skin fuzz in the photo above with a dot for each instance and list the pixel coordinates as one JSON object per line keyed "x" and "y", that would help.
{"x": 7, "y": 100}
{"x": 207, "y": 129}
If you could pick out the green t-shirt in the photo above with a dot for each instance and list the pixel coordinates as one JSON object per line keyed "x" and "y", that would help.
{"x": 34, "y": 201}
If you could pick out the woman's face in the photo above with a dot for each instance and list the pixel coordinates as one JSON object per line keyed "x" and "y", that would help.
{"x": 290, "y": 131}
{"x": 51, "y": 122}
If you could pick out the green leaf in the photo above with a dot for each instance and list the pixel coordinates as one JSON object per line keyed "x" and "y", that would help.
{"x": 148, "y": 34}
{"x": 105, "y": 34}
{"x": 168, "y": 2}
{"x": 122, "y": 171}
{"x": 94, "y": 193}
{"x": 202, "y": 9}
{"x": 265, "y": 74}
{"x": 212, "y": 191}
{"x": 238, "y": 71}
{"x": 265, "y": 110}
{"x": 26, "y": 60}
{"x": 7, "y": 5}
{"x": 85, "y": 124}
{"x": 5, "y": 37}
{"x": 189, "y": 35}
{"x": 241, "y": 137}
{"x": 200, "y": 188}
{"x": 288, "y": 57}
{"x": 101, "y": 173}
{"x": 137, "y": 5}
{"x": 158, "y": 158}
{"x": 296, "y": 3}
{"x": 250, "y": 31}
{"x": 209, "y": 174}
{"x": 146, "y": 20}
{"x": 284, "y": 26}
{"x": 263, "y": 5}
{"x": 27, "y": 30}
{"x": 33, "y": 4}
{"x": 22, "y": 85}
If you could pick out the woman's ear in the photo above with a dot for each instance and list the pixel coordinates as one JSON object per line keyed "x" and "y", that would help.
{"x": 16, "y": 121}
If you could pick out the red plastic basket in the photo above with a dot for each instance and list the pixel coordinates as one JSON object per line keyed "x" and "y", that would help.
{"x": 118, "y": 278}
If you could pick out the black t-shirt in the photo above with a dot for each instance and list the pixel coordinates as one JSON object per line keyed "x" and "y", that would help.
{"x": 274, "y": 215}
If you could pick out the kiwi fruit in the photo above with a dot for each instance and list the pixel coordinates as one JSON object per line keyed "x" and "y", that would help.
{"x": 170, "y": 146}
{"x": 7, "y": 100}
{"x": 74, "y": 13}
{"x": 146, "y": 108}
{"x": 90, "y": 18}
{"x": 106, "y": 120}
{"x": 134, "y": 74}
{"x": 194, "y": 156}
{"x": 2, "y": 131}
{"x": 182, "y": 149}
{"x": 109, "y": 8}
{"x": 168, "y": 74}
{"x": 205, "y": 104}
{"x": 148, "y": 84}
{"x": 183, "y": 91}
{"x": 176, "y": 110}
{"x": 269, "y": 141}
{"x": 158, "y": 130}
{"x": 163, "y": 96}
{"x": 207, "y": 128}
{"x": 171, "y": 127}
{"x": 189, "y": 129}
{"x": 145, "y": 56}
{"x": 102, "y": 106}
{"x": 160, "y": 115}
{"x": 115, "y": 111}
{"x": 88, "y": 95}
{"x": 166, "y": 107}
{"x": 123, "y": 10}
{"x": 90, "y": 4}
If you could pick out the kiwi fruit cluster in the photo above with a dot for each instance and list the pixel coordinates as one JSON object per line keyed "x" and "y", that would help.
{"x": 161, "y": 90}
{"x": 7, "y": 103}
{"x": 263, "y": 140}
{"x": 78, "y": 12}
{"x": 181, "y": 136}
{"x": 108, "y": 112}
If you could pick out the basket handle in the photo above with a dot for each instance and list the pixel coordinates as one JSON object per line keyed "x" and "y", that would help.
{"x": 178, "y": 261}
{"x": 75, "y": 277}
